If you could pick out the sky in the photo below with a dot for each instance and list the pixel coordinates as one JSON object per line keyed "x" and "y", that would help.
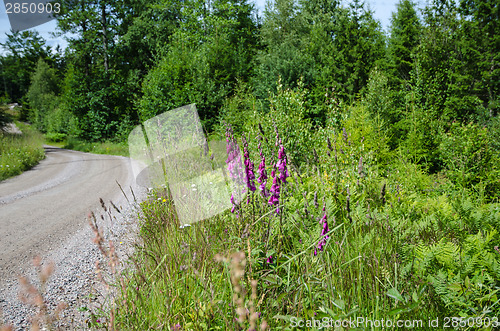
{"x": 382, "y": 11}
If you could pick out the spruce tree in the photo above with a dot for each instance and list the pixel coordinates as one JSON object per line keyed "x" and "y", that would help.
{"x": 405, "y": 32}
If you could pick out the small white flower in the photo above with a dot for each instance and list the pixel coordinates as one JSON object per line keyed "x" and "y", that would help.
{"x": 185, "y": 226}
{"x": 194, "y": 185}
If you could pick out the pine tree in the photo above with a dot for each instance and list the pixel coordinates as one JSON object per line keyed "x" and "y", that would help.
{"x": 359, "y": 45}
{"x": 480, "y": 51}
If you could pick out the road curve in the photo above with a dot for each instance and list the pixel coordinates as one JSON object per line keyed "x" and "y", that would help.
{"x": 45, "y": 205}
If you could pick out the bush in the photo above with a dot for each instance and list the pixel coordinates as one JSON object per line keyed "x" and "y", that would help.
{"x": 42, "y": 94}
{"x": 239, "y": 110}
{"x": 61, "y": 121}
{"x": 468, "y": 158}
{"x": 494, "y": 133}
{"x": 288, "y": 111}
{"x": 55, "y": 137}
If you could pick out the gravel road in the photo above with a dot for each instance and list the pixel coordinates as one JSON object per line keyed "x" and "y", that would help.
{"x": 44, "y": 212}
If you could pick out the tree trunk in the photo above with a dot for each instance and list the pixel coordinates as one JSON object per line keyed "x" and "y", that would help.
{"x": 104, "y": 40}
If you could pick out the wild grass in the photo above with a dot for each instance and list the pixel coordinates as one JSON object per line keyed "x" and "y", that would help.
{"x": 400, "y": 243}
{"x": 107, "y": 147}
{"x": 20, "y": 152}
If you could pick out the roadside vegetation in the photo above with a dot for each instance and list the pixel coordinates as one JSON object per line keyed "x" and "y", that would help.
{"x": 19, "y": 152}
{"x": 362, "y": 231}
{"x": 106, "y": 147}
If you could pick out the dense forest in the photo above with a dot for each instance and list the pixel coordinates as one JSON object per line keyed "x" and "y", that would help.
{"x": 128, "y": 61}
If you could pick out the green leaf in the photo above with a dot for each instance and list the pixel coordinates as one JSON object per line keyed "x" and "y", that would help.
{"x": 340, "y": 304}
{"x": 415, "y": 296}
{"x": 393, "y": 293}
{"x": 457, "y": 287}
{"x": 396, "y": 311}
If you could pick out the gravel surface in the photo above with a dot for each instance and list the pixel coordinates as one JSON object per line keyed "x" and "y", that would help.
{"x": 68, "y": 243}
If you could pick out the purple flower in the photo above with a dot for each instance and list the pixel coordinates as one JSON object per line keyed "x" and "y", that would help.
{"x": 281, "y": 165}
{"x": 273, "y": 200}
{"x": 281, "y": 153}
{"x": 235, "y": 206}
{"x": 325, "y": 226}
{"x": 233, "y": 203}
{"x": 263, "y": 177}
{"x": 270, "y": 259}
{"x": 262, "y": 173}
{"x": 275, "y": 193}
{"x": 321, "y": 243}
{"x": 275, "y": 188}
{"x": 250, "y": 176}
{"x": 325, "y": 229}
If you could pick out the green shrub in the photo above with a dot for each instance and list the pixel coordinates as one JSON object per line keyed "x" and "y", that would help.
{"x": 468, "y": 157}
{"x": 61, "y": 121}
{"x": 42, "y": 94}
{"x": 106, "y": 147}
{"x": 494, "y": 134}
{"x": 402, "y": 242}
{"x": 239, "y": 110}
{"x": 55, "y": 137}
{"x": 287, "y": 111}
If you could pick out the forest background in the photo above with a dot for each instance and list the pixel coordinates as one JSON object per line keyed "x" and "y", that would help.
{"x": 128, "y": 61}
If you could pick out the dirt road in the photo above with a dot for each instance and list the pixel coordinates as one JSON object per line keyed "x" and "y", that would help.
{"x": 43, "y": 206}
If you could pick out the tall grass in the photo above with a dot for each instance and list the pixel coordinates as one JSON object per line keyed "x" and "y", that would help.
{"x": 106, "y": 147}
{"x": 399, "y": 243}
{"x": 20, "y": 152}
